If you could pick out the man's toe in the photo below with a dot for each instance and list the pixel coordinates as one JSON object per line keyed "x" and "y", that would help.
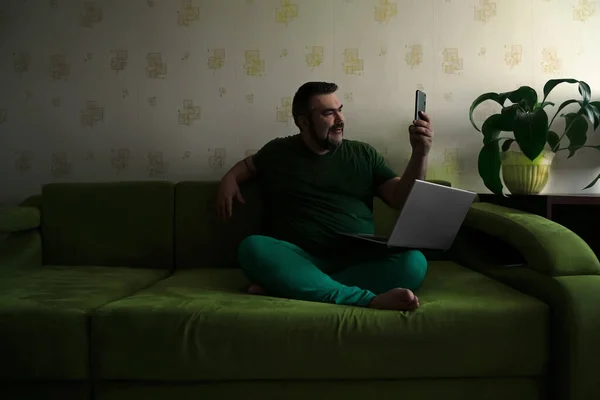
{"x": 256, "y": 289}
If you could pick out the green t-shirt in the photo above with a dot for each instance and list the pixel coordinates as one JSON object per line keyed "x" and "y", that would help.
{"x": 307, "y": 197}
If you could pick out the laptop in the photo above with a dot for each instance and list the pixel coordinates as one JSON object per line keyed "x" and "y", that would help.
{"x": 430, "y": 218}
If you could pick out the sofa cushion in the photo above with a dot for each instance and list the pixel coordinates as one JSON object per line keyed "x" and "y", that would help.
{"x": 198, "y": 325}
{"x": 203, "y": 240}
{"x": 17, "y": 219}
{"x": 44, "y": 322}
{"x": 117, "y": 224}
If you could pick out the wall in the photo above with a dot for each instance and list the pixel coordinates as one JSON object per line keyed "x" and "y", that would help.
{"x": 160, "y": 89}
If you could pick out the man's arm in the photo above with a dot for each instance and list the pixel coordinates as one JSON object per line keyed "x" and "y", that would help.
{"x": 394, "y": 192}
{"x": 243, "y": 171}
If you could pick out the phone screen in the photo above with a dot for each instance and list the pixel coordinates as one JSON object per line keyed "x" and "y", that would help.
{"x": 420, "y": 103}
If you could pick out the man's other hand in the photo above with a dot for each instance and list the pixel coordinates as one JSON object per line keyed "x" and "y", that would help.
{"x": 228, "y": 190}
{"x": 421, "y": 135}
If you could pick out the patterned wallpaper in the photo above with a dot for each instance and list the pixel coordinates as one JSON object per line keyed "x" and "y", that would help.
{"x": 182, "y": 89}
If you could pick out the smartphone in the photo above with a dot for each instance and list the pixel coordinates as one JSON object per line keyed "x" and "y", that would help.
{"x": 420, "y": 103}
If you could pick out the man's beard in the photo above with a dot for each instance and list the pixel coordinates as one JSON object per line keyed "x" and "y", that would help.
{"x": 326, "y": 143}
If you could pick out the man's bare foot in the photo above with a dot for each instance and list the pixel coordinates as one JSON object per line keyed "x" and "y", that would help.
{"x": 396, "y": 299}
{"x": 256, "y": 289}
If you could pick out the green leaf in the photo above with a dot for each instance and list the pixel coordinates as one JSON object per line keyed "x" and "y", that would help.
{"x": 590, "y": 113}
{"x": 569, "y": 118}
{"x": 544, "y": 104}
{"x": 531, "y": 132}
{"x": 563, "y": 105}
{"x": 552, "y": 83}
{"x": 577, "y": 133}
{"x": 499, "y": 98}
{"x": 489, "y": 164}
{"x": 597, "y": 178}
{"x": 508, "y": 117}
{"x": 585, "y": 91}
{"x": 506, "y": 144}
{"x": 553, "y": 140}
{"x": 525, "y": 96}
{"x": 491, "y": 128}
{"x": 592, "y": 183}
{"x": 595, "y": 107}
{"x": 584, "y": 88}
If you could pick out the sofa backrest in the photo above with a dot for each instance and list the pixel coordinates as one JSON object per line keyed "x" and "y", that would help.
{"x": 116, "y": 224}
{"x": 202, "y": 240}
{"x": 152, "y": 224}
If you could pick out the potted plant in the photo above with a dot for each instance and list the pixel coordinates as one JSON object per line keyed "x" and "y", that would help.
{"x": 526, "y": 171}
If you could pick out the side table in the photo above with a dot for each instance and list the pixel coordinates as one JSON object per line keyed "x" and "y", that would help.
{"x": 577, "y": 212}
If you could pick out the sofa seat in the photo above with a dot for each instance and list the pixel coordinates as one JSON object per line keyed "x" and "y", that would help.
{"x": 198, "y": 325}
{"x": 44, "y": 317}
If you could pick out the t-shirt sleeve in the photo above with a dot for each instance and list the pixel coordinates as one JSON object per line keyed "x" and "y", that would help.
{"x": 381, "y": 171}
{"x": 263, "y": 157}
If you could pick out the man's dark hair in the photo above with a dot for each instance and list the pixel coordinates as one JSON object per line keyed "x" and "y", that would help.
{"x": 301, "y": 102}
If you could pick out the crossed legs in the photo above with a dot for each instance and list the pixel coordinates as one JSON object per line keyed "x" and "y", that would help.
{"x": 285, "y": 270}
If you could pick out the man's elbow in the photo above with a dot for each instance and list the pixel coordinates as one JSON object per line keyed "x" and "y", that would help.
{"x": 391, "y": 193}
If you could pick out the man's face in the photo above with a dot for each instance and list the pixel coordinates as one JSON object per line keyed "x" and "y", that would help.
{"x": 325, "y": 121}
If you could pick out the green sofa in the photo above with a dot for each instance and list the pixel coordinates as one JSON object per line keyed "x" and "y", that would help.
{"x": 130, "y": 290}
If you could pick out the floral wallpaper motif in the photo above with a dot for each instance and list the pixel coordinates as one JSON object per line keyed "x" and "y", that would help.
{"x": 183, "y": 89}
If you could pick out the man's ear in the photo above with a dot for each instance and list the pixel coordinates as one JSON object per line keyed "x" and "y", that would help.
{"x": 303, "y": 122}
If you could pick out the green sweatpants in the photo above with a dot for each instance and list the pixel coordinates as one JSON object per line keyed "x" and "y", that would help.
{"x": 285, "y": 270}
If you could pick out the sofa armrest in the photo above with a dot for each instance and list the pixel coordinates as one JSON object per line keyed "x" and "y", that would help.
{"x": 540, "y": 258}
{"x": 546, "y": 246}
{"x": 18, "y": 219}
{"x": 20, "y": 239}
{"x": 574, "y": 301}
{"x": 578, "y": 332}
{"x": 21, "y": 251}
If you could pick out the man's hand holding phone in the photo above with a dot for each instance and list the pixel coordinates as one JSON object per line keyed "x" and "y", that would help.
{"x": 421, "y": 134}
{"x": 421, "y": 131}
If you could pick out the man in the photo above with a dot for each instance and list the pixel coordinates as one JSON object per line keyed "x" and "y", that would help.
{"x": 313, "y": 185}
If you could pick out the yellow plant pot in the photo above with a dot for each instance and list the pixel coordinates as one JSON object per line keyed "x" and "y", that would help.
{"x": 523, "y": 176}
